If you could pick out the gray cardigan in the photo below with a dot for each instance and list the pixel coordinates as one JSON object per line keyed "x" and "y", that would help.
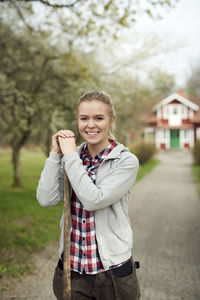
{"x": 109, "y": 197}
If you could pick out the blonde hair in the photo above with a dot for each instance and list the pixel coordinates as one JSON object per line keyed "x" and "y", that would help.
{"x": 101, "y": 97}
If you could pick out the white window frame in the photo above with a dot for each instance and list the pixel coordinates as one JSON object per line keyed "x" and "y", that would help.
{"x": 184, "y": 111}
{"x": 191, "y": 114}
{"x": 165, "y": 112}
{"x": 186, "y": 135}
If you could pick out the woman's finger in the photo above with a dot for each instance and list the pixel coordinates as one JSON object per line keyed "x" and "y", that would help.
{"x": 69, "y": 133}
{"x": 63, "y": 134}
{"x": 59, "y": 133}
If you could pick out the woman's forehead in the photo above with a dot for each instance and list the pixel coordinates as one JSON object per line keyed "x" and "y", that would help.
{"x": 94, "y": 106}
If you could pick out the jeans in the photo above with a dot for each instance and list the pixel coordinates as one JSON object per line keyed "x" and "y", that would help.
{"x": 102, "y": 286}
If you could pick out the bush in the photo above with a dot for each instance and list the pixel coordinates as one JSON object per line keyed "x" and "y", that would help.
{"x": 196, "y": 152}
{"x": 143, "y": 150}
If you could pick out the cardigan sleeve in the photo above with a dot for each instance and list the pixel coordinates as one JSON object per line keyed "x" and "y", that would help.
{"x": 50, "y": 190}
{"x": 114, "y": 185}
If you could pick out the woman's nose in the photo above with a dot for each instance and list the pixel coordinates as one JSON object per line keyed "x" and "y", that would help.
{"x": 91, "y": 124}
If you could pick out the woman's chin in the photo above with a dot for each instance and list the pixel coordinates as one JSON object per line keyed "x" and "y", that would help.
{"x": 91, "y": 139}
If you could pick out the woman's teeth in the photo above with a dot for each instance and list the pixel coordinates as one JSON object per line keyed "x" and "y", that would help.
{"x": 92, "y": 133}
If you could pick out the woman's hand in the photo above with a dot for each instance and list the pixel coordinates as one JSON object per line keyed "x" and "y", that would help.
{"x": 63, "y": 142}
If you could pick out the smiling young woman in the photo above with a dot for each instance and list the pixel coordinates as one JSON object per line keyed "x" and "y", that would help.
{"x": 101, "y": 172}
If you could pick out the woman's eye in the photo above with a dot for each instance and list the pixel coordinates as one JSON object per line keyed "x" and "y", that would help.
{"x": 83, "y": 119}
{"x": 99, "y": 118}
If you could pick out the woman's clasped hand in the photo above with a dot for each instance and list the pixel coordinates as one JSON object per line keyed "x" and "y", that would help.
{"x": 63, "y": 142}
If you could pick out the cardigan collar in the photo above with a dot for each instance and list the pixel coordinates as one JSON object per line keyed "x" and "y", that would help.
{"x": 114, "y": 154}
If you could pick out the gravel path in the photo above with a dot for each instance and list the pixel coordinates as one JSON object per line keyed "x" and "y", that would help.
{"x": 165, "y": 215}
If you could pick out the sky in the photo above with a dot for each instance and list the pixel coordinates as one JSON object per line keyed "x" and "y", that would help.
{"x": 182, "y": 25}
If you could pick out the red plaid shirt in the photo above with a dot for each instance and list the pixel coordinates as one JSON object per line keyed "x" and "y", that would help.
{"x": 84, "y": 249}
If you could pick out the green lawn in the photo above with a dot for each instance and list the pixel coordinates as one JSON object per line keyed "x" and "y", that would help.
{"x": 196, "y": 172}
{"x": 25, "y": 226}
{"x": 146, "y": 168}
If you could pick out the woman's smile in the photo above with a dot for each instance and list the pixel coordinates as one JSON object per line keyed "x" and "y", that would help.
{"x": 92, "y": 133}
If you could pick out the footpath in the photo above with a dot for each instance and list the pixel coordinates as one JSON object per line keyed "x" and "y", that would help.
{"x": 165, "y": 216}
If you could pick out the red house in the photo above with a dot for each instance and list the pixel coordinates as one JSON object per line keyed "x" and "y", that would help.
{"x": 174, "y": 123}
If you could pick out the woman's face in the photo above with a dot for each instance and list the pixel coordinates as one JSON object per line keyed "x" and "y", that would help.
{"x": 94, "y": 122}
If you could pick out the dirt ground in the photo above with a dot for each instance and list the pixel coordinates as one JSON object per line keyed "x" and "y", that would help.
{"x": 37, "y": 285}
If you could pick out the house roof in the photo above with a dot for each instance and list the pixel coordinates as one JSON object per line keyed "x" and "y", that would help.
{"x": 179, "y": 98}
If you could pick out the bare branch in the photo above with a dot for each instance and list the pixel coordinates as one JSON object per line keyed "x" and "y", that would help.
{"x": 15, "y": 3}
{"x": 48, "y": 3}
{"x": 20, "y": 14}
{"x": 56, "y": 5}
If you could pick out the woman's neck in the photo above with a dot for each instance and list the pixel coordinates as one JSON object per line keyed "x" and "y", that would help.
{"x": 97, "y": 148}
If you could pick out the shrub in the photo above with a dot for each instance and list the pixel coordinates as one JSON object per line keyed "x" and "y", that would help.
{"x": 143, "y": 150}
{"x": 196, "y": 152}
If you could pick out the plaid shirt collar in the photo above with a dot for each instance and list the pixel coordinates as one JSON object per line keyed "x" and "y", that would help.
{"x": 85, "y": 156}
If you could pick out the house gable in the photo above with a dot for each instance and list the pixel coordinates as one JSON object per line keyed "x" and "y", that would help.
{"x": 178, "y": 99}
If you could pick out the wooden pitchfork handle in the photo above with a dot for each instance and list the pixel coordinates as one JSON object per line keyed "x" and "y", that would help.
{"x": 67, "y": 240}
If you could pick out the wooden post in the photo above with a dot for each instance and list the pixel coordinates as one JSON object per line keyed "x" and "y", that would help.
{"x": 66, "y": 254}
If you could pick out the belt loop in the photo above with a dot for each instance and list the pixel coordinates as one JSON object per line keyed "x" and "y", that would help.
{"x": 137, "y": 264}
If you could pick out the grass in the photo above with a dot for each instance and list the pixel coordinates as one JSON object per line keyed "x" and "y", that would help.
{"x": 146, "y": 168}
{"x": 196, "y": 172}
{"x": 25, "y": 226}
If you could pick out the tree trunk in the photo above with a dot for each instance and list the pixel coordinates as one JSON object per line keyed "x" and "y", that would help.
{"x": 16, "y": 167}
{"x": 48, "y": 142}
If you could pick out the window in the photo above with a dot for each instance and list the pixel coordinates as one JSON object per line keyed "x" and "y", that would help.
{"x": 165, "y": 112}
{"x": 184, "y": 111}
{"x": 185, "y": 134}
{"x": 175, "y": 111}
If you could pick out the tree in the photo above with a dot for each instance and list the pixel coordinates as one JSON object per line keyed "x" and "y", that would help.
{"x": 33, "y": 86}
{"x": 193, "y": 87}
{"x": 83, "y": 21}
{"x": 163, "y": 83}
